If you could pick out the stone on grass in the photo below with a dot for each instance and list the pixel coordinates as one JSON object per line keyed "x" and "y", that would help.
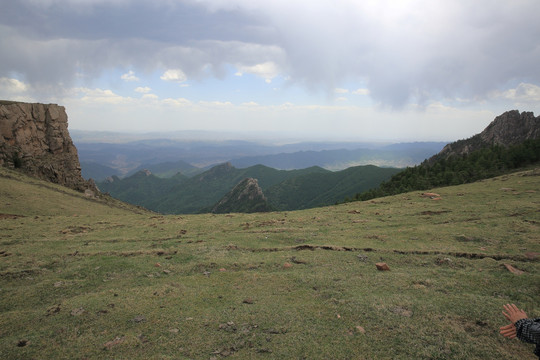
{"x": 360, "y": 329}
{"x": 78, "y": 311}
{"x": 513, "y": 270}
{"x": 382, "y": 266}
{"x": 362, "y": 257}
{"x": 138, "y": 319}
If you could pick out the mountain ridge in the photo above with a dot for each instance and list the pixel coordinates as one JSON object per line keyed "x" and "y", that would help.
{"x": 299, "y": 188}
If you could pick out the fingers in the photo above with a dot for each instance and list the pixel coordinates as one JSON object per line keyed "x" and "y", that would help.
{"x": 510, "y": 308}
{"x": 508, "y": 331}
{"x": 513, "y": 313}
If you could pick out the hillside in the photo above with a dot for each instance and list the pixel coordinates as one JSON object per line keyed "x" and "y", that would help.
{"x": 285, "y": 189}
{"x": 21, "y": 195}
{"x": 83, "y": 279}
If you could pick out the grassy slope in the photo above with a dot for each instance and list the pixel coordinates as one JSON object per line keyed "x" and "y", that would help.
{"x": 82, "y": 279}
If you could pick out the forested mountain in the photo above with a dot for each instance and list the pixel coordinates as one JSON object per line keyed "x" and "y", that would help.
{"x": 318, "y": 189}
{"x": 287, "y": 189}
{"x": 510, "y": 142}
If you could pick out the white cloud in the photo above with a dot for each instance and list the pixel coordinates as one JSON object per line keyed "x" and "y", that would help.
{"x": 341, "y": 91}
{"x": 150, "y": 97}
{"x": 267, "y": 70}
{"x": 129, "y": 76}
{"x": 361, "y": 91}
{"x": 16, "y": 90}
{"x": 101, "y": 96}
{"x": 524, "y": 93}
{"x": 143, "y": 90}
{"x": 179, "y": 102}
{"x": 220, "y": 104}
{"x": 174, "y": 75}
{"x": 12, "y": 85}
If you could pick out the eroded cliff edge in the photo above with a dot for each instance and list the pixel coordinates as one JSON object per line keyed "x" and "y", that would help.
{"x": 35, "y": 138}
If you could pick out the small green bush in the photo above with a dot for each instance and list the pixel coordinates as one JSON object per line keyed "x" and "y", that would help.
{"x": 17, "y": 161}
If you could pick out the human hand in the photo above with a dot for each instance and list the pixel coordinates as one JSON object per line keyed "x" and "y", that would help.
{"x": 513, "y": 313}
{"x": 508, "y": 331}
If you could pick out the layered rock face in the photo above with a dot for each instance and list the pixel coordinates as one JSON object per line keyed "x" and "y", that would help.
{"x": 512, "y": 128}
{"x": 35, "y": 139}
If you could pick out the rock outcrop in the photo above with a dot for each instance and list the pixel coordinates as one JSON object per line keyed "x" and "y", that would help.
{"x": 507, "y": 129}
{"x": 35, "y": 139}
{"x": 245, "y": 197}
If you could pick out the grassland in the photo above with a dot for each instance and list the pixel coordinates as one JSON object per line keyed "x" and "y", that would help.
{"x": 87, "y": 278}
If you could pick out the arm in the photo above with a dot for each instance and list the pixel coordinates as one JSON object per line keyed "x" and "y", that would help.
{"x": 528, "y": 330}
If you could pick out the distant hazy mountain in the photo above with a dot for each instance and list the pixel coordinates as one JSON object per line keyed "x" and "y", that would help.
{"x": 165, "y": 157}
{"x": 169, "y": 169}
{"x": 98, "y": 172}
{"x": 396, "y": 155}
{"x": 286, "y": 189}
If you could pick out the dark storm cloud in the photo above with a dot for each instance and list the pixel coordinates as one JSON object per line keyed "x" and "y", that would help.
{"x": 53, "y": 41}
{"x": 404, "y": 51}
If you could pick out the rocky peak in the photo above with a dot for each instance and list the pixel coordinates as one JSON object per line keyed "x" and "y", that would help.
{"x": 246, "y": 196}
{"x": 507, "y": 129}
{"x": 35, "y": 139}
{"x": 512, "y": 128}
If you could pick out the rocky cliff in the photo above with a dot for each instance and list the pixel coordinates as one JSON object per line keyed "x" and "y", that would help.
{"x": 245, "y": 197}
{"x": 35, "y": 139}
{"x": 507, "y": 129}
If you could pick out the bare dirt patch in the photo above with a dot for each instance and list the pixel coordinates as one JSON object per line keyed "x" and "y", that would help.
{"x": 10, "y": 216}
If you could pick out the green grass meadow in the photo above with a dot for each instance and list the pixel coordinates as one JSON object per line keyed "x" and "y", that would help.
{"x": 95, "y": 278}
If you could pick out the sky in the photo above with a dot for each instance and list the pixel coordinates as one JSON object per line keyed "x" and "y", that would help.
{"x": 354, "y": 70}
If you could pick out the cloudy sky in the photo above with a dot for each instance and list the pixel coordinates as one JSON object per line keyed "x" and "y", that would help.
{"x": 317, "y": 69}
